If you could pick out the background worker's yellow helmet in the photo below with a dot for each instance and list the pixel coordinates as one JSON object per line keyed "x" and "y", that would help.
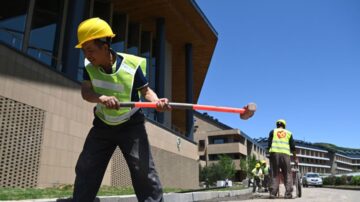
{"x": 257, "y": 165}
{"x": 281, "y": 121}
{"x": 263, "y": 161}
{"x": 93, "y": 28}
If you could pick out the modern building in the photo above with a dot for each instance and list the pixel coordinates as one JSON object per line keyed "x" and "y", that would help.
{"x": 319, "y": 158}
{"x": 215, "y": 138}
{"x": 346, "y": 161}
{"x": 44, "y": 120}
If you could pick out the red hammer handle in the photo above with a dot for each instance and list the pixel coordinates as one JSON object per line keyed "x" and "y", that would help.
{"x": 176, "y": 105}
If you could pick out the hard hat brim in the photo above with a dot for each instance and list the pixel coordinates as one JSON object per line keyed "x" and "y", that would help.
{"x": 79, "y": 45}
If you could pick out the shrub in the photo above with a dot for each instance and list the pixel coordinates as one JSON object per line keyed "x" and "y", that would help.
{"x": 329, "y": 180}
{"x": 340, "y": 180}
{"x": 355, "y": 180}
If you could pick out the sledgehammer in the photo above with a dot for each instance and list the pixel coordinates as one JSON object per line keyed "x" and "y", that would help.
{"x": 245, "y": 113}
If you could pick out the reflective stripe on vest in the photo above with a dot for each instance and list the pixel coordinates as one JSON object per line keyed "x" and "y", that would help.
{"x": 108, "y": 85}
{"x": 117, "y": 119}
{"x": 280, "y": 141}
{"x": 118, "y": 84}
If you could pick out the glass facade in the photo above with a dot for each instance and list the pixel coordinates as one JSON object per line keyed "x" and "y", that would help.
{"x": 146, "y": 52}
{"x": 120, "y": 23}
{"x": 40, "y": 37}
{"x": 133, "y": 46}
{"x": 12, "y": 22}
{"x": 45, "y": 31}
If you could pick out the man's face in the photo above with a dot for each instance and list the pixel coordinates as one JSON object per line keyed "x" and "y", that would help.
{"x": 96, "y": 54}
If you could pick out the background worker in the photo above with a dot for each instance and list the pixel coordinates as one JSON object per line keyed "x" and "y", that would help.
{"x": 109, "y": 79}
{"x": 257, "y": 174}
{"x": 265, "y": 170}
{"x": 281, "y": 143}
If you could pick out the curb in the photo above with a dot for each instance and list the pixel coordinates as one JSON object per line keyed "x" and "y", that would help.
{"x": 173, "y": 197}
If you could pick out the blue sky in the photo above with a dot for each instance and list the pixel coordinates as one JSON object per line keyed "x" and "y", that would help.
{"x": 298, "y": 60}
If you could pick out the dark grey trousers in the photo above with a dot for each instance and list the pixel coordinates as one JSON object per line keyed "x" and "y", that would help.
{"x": 266, "y": 182}
{"x": 280, "y": 161}
{"x": 256, "y": 184}
{"x": 99, "y": 146}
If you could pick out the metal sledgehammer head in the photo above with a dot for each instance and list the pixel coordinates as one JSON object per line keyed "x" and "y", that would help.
{"x": 249, "y": 111}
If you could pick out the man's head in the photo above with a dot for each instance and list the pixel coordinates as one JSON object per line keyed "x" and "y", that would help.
{"x": 96, "y": 51}
{"x": 94, "y": 36}
{"x": 263, "y": 162}
{"x": 257, "y": 165}
{"x": 281, "y": 123}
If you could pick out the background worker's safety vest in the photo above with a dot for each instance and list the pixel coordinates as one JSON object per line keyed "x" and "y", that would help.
{"x": 257, "y": 172}
{"x": 280, "y": 141}
{"x": 118, "y": 84}
{"x": 266, "y": 170}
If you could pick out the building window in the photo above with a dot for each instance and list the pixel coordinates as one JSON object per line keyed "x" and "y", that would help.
{"x": 213, "y": 157}
{"x": 219, "y": 141}
{"x": 134, "y": 36}
{"x": 146, "y": 51}
{"x": 45, "y": 31}
{"x": 201, "y": 145}
{"x": 12, "y": 22}
{"x": 120, "y": 26}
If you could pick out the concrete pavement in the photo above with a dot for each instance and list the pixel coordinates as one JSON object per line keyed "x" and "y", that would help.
{"x": 311, "y": 194}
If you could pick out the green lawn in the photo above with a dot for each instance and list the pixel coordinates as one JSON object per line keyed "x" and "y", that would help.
{"x": 61, "y": 192}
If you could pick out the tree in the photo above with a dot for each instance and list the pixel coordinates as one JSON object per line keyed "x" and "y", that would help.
{"x": 251, "y": 162}
{"x": 225, "y": 168}
{"x": 243, "y": 168}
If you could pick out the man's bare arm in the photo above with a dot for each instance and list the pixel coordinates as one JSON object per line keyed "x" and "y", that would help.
{"x": 89, "y": 95}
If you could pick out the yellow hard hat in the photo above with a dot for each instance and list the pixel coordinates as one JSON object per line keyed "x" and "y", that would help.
{"x": 257, "y": 165}
{"x": 93, "y": 28}
{"x": 281, "y": 121}
{"x": 263, "y": 161}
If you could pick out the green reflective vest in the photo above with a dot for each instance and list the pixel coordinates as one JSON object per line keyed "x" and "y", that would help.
{"x": 118, "y": 84}
{"x": 265, "y": 170}
{"x": 280, "y": 141}
{"x": 257, "y": 172}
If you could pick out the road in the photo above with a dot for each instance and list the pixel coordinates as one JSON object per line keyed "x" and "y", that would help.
{"x": 310, "y": 194}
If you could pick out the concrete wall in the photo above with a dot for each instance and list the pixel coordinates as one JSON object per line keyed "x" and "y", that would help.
{"x": 67, "y": 117}
{"x": 203, "y": 126}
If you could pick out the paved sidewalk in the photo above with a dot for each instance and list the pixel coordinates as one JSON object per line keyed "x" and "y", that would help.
{"x": 168, "y": 197}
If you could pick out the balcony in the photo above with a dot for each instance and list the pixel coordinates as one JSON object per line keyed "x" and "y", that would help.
{"x": 227, "y": 148}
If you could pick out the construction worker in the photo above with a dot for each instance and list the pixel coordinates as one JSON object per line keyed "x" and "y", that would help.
{"x": 281, "y": 143}
{"x": 257, "y": 174}
{"x": 109, "y": 79}
{"x": 265, "y": 170}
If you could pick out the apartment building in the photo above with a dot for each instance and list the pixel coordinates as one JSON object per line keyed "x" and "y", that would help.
{"x": 215, "y": 138}
{"x": 312, "y": 158}
{"x": 346, "y": 161}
